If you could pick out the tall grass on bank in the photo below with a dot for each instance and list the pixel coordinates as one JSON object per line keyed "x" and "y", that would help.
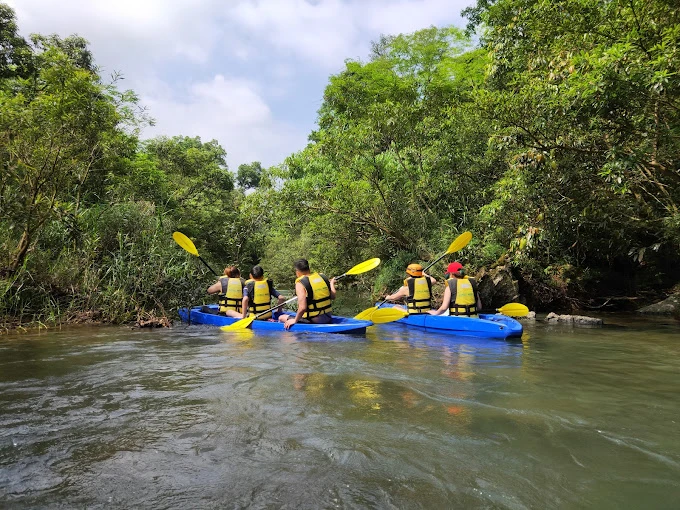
{"x": 115, "y": 264}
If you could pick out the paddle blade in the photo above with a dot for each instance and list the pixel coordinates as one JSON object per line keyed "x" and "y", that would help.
{"x": 364, "y": 266}
{"x": 239, "y": 325}
{"x": 459, "y": 242}
{"x": 514, "y": 310}
{"x": 185, "y": 243}
{"x": 366, "y": 314}
{"x": 388, "y": 315}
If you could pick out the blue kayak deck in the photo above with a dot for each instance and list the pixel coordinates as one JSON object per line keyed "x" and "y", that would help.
{"x": 195, "y": 315}
{"x": 485, "y": 326}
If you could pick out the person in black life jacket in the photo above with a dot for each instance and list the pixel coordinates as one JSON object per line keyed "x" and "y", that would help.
{"x": 315, "y": 292}
{"x": 258, "y": 293}
{"x": 230, "y": 288}
{"x": 460, "y": 296}
{"x": 417, "y": 290}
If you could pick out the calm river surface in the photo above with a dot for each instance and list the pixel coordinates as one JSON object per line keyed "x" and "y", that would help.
{"x": 193, "y": 417}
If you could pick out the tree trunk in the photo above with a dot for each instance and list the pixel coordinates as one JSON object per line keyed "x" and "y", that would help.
{"x": 20, "y": 253}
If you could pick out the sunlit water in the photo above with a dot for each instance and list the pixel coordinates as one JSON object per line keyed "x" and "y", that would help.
{"x": 398, "y": 418}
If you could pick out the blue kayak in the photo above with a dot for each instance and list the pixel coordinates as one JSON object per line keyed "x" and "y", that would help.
{"x": 339, "y": 324}
{"x": 486, "y": 326}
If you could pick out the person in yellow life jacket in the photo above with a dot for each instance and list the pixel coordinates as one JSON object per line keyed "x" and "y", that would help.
{"x": 230, "y": 288}
{"x": 417, "y": 290}
{"x": 460, "y": 296}
{"x": 258, "y": 293}
{"x": 315, "y": 292}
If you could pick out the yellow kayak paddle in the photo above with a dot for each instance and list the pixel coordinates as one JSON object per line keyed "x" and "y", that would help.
{"x": 387, "y": 315}
{"x": 513, "y": 310}
{"x": 188, "y": 246}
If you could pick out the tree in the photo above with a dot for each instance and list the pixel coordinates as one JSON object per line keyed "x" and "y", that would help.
{"x": 586, "y": 96}
{"x": 15, "y": 53}
{"x": 55, "y": 127}
{"x": 389, "y": 142}
{"x": 249, "y": 175}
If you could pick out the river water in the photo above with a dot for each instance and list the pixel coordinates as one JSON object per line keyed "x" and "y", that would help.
{"x": 193, "y": 417}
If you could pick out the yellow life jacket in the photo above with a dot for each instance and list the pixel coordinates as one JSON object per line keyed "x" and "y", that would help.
{"x": 259, "y": 297}
{"x": 419, "y": 294}
{"x": 463, "y": 296}
{"x": 318, "y": 289}
{"x": 232, "y": 294}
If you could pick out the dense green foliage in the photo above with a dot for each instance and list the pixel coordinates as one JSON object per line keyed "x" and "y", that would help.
{"x": 555, "y": 141}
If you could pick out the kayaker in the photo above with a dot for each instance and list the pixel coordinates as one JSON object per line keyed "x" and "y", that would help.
{"x": 460, "y": 295}
{"x": 257, "y": 295}
{"x": 315, "y": 292}
{"x": 417, "y": 290}
{"x": 230, "y": 288}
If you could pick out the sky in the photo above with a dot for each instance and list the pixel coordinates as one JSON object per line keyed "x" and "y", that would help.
{"x": 248, "y": 73}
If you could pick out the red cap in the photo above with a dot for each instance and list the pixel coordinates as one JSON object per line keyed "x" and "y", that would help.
{"x": 454, "y": 267}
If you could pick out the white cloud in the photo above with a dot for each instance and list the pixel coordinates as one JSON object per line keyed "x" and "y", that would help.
{"x": 330, "y": 31}
{"x": 249, "y": 73}
{"x": 229, "y": 110}
{"x": 126, "y": 34}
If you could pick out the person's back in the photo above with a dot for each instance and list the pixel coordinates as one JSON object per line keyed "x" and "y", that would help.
{"x": 463, "y": 299}
{"x": 417, "y": 290}
{"x": 318, "y": 291}
{"x": 258, "y": 294}
{"x": 315, "y": 293}
{"x": 460, "y": 295}
{"x": 230, "y": 290}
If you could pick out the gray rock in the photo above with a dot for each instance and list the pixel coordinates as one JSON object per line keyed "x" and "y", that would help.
{"x": 531, "y": 316}
{"x": 497, "y": 287}
{"x": 573, "y": 319}
{"x": 668, "y": 306}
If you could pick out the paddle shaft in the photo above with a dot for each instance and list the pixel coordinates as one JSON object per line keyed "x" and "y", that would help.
{"x": 274, "y": 307}
{"x": 435, "y": 261}
{"x": 206, "y": 265}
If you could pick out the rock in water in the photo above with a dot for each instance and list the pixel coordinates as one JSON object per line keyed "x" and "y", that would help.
{"x": 574, "y": 319}
{"x": 668, "y": 306}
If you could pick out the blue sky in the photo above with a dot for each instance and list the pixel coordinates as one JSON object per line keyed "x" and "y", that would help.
{"x": 249, "y": 73}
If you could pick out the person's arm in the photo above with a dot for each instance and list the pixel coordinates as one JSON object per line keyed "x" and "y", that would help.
{"x": 215, "y": 287}
{"x": 446, "y": 302}
{"x": 280, "y": 299}
{"x": 401, "y": 293}
{"x": 432, "y": 278}
{"x": 332, "y": 289}
{"x": 301, "y": 294}
{"x": 244, "y": 303}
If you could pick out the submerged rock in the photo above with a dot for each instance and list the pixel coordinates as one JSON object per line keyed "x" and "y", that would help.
{"x": 573, "y": 319}
{"x": 668, "y": 306}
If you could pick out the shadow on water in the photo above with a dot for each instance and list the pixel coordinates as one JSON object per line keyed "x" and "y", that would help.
{"x": 194, "y": 417}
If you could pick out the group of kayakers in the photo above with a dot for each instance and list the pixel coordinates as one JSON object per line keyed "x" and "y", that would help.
{"x": 315, "y": 292}
{"x": 460, "y": 294}
{"x": 239, "y": 297}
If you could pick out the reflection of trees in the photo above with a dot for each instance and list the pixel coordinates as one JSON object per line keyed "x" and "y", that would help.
{"x": 358, "y": 397}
